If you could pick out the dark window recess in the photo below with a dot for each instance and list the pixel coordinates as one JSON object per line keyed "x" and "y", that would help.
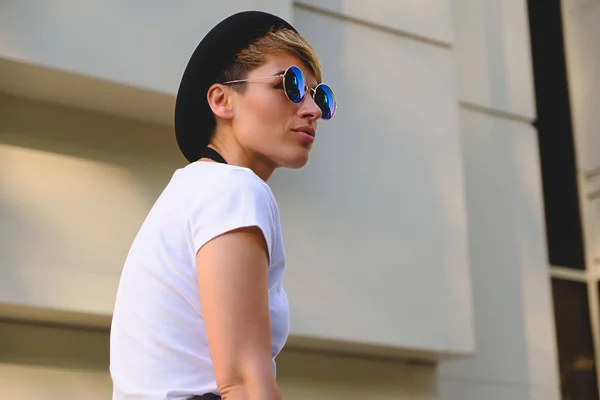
{"x": 574, "y": 337}
{"x": 555, "y": 135}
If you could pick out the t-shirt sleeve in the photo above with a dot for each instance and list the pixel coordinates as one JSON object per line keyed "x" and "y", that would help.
{"x": 238, "y": 200}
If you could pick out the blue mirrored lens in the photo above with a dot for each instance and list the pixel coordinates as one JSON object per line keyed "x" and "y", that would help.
{"x": 293, "y": 82}
{"x": 325, "y": 99}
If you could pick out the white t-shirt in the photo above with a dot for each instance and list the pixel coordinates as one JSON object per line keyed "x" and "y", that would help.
{"x": 158, "y": 345}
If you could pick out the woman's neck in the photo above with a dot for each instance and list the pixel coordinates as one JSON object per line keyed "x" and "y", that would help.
{"x": 235, "y": 154}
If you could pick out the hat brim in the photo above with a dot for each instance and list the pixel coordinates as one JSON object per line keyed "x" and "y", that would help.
{"x": 194, "y": 120}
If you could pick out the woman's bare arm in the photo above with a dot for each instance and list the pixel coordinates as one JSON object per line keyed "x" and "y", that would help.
{"x": 232, "y": 275}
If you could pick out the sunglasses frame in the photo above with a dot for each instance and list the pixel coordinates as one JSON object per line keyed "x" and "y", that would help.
{"x": 306, "y": 87}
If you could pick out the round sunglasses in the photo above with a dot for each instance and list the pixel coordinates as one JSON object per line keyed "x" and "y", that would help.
{"x": 295, "y": 88}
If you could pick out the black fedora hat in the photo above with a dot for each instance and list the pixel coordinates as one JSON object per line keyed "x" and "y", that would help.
{"x": 194, "y": 120}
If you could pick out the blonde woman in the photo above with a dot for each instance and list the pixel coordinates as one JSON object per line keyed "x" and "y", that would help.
{"x": 201, "y": 312}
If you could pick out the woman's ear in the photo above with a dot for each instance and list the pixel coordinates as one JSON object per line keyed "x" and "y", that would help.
{"x": 219, "y": 100}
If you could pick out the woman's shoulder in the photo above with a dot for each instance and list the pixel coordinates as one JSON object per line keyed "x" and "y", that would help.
{"x": 215, "y": 183}
{"x": 231, "y": 197}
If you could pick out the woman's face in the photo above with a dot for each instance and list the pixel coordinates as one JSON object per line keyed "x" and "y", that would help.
{"x": 270, "y": 126}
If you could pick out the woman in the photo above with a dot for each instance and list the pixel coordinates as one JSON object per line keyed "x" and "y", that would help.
{"x": 200, "y": 310}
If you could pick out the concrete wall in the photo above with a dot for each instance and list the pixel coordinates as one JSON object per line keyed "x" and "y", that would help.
{"x": 55, "y": 363}
{"x": 401, "y": 269}
{"x": 582, "y": 30}
{"x": 516, "y": 354}
{"x": 416, "y": 230}
{"x": 75, "y": 186}
{"x": 142, "y": 45}
{"x": 381, "y": 205}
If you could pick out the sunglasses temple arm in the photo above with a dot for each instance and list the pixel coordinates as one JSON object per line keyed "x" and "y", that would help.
{"x": 252, "y": 79}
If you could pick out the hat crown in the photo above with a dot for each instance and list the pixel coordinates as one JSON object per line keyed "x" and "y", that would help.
{"x": 194, "y": 120}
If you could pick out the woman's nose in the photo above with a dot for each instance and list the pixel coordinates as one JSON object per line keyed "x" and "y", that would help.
{"x": 310, "y": 109}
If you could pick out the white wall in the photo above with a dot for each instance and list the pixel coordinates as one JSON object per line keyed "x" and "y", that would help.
{"x": 401, "y": 270}
{"x": 124, "y": 59}
{"x": 54, "y": 363}
{"x": 432, "y": 145}
{"x": 144, "y": 45}
{"x": 74, "y": 188}
{"x": 375, "y": 226}
{"x": 426, "y": 20}
{"x": 581, "y": 30}
{"x": 515, "y": 349}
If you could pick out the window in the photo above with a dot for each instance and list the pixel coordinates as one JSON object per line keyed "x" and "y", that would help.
{"x": 574, "y": 334}
{"x": 575, "y": 283}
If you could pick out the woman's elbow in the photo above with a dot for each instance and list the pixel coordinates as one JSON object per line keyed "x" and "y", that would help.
{"x": 248, "y": 380}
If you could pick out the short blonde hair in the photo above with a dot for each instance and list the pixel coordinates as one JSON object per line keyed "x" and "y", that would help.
{"x": 276, "y": 41}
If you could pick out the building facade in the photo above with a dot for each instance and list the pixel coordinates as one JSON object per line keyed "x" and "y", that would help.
{"x": 427, "y": 253}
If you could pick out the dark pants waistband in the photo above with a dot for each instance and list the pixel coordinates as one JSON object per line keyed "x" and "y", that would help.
{"x": 208, "y": 396}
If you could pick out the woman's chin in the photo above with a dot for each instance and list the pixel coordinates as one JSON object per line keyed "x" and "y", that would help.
{"x": 298, "y": 160}
{"x": 291, "y": 158}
